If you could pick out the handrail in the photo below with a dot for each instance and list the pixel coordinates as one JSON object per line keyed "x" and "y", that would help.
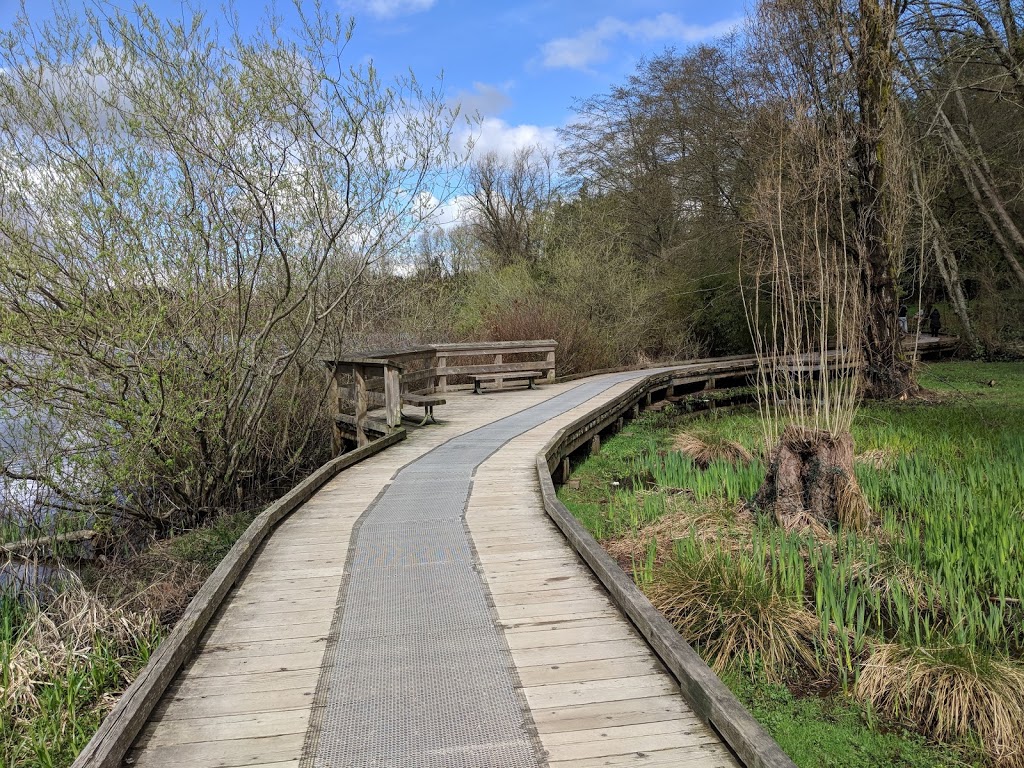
{"x": 400, "y": 376}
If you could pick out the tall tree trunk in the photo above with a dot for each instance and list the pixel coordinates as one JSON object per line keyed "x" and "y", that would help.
{"x": 887, "y": 372}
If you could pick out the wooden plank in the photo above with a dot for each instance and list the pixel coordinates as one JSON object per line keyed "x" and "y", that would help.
{"x": 483, "y": 347}
{"x": 590, "y": 692}
{"x": 240, "y": 703}
{"x": 118, "y": 730}
{"x": 625, "y": 711}
{"x": 225, "y": 728}
{"x": 583, "y": 671}
{"x": 224, "y": 754}
{"x": 211, "y": 667}
{"x": 685, "y": 757}
{"x": 198, "y": 686}
{"x": 359, "y": 396}
{"x": 595, "y": 650}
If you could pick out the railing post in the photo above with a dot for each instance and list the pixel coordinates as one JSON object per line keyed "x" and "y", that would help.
{"x": 442, "y": 381}
{"x": 359, "y": 395}
{"x": 337, "y": 442}
{"x": 551, "y": 359}
{"x": 392, "y": 396}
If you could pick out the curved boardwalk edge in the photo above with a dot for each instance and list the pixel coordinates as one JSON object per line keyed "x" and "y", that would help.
{"x": 111, "y": 742}
{"x": 709, "y": 697}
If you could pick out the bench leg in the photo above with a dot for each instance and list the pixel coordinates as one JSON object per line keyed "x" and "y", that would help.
{"x": 430, "y": 413}
{"x": 476, "y": 387}
{"x": 530, "y": 384}
{"x": 426, "y": 415}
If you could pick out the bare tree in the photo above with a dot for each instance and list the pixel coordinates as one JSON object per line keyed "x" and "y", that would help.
{"x": 185, "y": 219}
{"x": 511, "y": 196}
{"x": 839, "y": 61}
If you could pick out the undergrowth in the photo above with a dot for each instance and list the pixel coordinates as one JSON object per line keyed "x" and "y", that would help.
{"x": 920, "y": 618}
{"x": 67, "y": 651}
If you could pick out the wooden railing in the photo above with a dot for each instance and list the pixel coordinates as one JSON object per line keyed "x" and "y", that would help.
{"x": 378, "y": 379}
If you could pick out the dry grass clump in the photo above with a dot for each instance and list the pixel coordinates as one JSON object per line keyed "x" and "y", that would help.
{"x": 852, "y": 509}
{"x": 706, "y": 447}
{"x": 66, "y": 639}
{"x": 733, "y": 611}
{"x": 708, "y": 521}
{"x": 951, "y": 695}
{"x": 879, "y": 458}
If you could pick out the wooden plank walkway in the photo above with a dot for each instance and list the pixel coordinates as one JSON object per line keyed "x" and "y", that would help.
{"x": 596, "y": 693}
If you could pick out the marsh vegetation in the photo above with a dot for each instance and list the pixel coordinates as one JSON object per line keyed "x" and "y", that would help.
{"x": 916, "y": 619}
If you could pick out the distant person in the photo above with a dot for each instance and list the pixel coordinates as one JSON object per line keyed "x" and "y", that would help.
{"x": 902, "y": 317}
{"x": 935, "y": 321}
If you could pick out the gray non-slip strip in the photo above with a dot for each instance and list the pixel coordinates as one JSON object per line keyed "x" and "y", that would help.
{"x": 417, "y": 674}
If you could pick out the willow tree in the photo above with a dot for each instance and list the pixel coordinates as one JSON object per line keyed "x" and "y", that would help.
{"x": 806, "y": 312}
{"x": 186, "y": 214}
{"x": 839, "y": 60}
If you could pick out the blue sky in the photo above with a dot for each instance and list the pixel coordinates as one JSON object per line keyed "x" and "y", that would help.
{"x": 519, "y": 63}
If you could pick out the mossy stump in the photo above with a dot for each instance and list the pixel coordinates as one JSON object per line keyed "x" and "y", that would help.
{"x": 811, "y": 483}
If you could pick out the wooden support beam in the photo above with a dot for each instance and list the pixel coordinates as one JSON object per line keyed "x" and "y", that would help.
{"x": 337, "y": 441}
{"x": 442, "y": 381}
{"x": 392, "y": 396}
{"x": 359, "y": 396}
{"x": 551, "y": 361}
{"x": 595, "y": 444}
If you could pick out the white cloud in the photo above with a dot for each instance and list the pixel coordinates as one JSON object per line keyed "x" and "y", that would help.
{"x": 457, "y": 210}
{"x": 389, "y": 9}
{"x": 495, "y": 135}
{"x": 591, "y": 45}
{"x": 484, "y": 99}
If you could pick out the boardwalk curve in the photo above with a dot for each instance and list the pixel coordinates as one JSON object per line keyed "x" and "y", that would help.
{"x": 388, "y": 623}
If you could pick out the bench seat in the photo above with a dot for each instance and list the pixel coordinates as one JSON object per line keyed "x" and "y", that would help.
{"x": 530, "y": 377}
{"x": 427, "y": 401}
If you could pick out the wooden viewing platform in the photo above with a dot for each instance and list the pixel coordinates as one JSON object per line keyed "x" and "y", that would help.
{"x": 317, "y": 657}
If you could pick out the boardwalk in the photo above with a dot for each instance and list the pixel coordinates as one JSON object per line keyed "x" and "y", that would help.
{"x": 422, "y": 610}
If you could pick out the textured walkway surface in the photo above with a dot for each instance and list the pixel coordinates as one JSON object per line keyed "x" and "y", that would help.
{"x": 421, "y": 610}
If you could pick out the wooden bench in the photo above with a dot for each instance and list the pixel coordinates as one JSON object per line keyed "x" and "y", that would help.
{"x": 530, "y": 376}
{"x": 427, "y": 401}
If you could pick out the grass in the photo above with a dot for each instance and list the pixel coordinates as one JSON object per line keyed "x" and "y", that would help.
{"x": 831, "y": 732}
{"x": 65, "y": 656}
{"x": 938, "y": 576}
{"x": 62, "y": 656}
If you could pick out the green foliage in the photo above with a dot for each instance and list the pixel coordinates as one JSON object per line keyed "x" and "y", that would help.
{"x": 206, "y": 546}
{"x": 941, "y": 570}
{"x": 176, "y": 261}
{"x": 832, "y": 732}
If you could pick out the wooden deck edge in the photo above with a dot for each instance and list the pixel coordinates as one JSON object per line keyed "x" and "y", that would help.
{"x": 709, "y": 697}
{"x": 121, "y": 726}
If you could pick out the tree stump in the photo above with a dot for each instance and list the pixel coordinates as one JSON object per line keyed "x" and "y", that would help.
{"x": 810, "y": 482}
